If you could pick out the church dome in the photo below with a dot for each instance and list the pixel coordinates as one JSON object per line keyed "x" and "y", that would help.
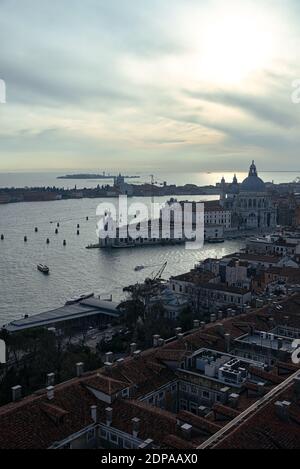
{"x": 253, "y": 183}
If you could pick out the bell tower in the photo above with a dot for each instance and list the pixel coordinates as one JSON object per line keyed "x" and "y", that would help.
{"x": 223, "y": 192}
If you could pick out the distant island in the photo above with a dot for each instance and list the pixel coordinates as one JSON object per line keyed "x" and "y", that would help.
{"x": 95, "y": 176}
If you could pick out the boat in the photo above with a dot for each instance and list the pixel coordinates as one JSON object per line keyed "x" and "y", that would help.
{"x": 77, "y": 299}
{"x": 215, "y": 240}
{"x": 43, "y": 268}
{"x": 138, "y": 268}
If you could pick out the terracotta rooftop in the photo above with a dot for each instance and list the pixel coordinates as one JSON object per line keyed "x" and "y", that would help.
{"x": 36, "y": 422}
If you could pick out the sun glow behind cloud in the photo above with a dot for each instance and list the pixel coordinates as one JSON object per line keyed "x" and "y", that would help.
{"x": 130, "y": 81}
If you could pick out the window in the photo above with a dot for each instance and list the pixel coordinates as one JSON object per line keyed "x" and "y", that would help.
{"x": 194, "y": 390}
{"x": 183, "y": 404}
{"x": 90, "y": 435}
{"x": 113, "y": 438}
{"x": 205, "y": 395}
{"x": 103, "y": 434}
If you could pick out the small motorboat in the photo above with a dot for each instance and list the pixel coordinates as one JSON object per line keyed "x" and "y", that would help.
{"x": 77, "y": 299}
{"x": 138, "y": 268}
{"x": 43, "y": 268}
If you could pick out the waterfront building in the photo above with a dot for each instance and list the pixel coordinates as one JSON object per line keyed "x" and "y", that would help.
{"x": 250, "y": 203}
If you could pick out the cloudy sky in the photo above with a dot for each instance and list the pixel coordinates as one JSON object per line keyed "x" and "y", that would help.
{"x": 179, "y": 85}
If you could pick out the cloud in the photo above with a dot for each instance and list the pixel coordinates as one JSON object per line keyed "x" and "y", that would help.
{"x": 119, "y": 84}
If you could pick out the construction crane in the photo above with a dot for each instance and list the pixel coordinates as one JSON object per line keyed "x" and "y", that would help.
{"x": 158, "y": 275}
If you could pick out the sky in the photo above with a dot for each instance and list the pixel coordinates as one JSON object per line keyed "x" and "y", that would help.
{"x": 149, "y": 85}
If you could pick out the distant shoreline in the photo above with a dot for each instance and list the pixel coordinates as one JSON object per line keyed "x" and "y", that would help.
{"x": 94, "y": 176}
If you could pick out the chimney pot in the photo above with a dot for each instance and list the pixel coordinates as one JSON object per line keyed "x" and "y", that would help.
{"x": 196, "y": 324}
{"x": 50, "y": 379}
{"x": 146, "y": 444}
{"x": 282, "y": 410}
{"x": 135, "y": 426}
{"x": 227, "y": 342}
{"x": 186, "y": 430}
{"x": 79, "y": 369}
{"x": 109, "y": 357}
{"x": 108, "y": 367}
{"x": 137, "y": 354}
{"x": 94, "y": 413}
{"x": 109, "y": 416}
{"x": 202, "y": 411}
{"x": 16, "y": 393}
{"x": 120, "y": 361}
{"x": 133, "y": 348}
{"x": 234, "y": 400}
{"x": 50, "y": 393}
{"x": 155, "y": 340}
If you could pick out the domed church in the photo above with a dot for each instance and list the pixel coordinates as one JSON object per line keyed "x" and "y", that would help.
{"x": 250, "y": 203}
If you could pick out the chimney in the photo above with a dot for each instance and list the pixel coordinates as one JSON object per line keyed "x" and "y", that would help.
{"x": 161, "y": 342}
{"x": 137, "y": 354}
{"x": 221, "y": 329}
{"x": 109, "y": 416}
{"x": 224, "y": 394}
{"x": 16, "y": 393}
{"x": 178, "y": 331}
{"x": 282, "y": 410}
{"x": 108, "y": 367}
{"x": 147, "y": 444}
{"x": 155, "y": 340}
{"x": 109, "y": 357}
{"x": 79, "y": 369}
{"x": 50, "y": 393}
{"x": 135, "y": 426}
{"x": 261, "y": 388}
{"x": 186, "y": 430}
{"x": 213, "y": 318}
{"x": 202, "y": 324}
{"x": 50, "y": 379}
{"x": 180, "y": 336}
{"x": 120, "y": 361}
{"x": 196, "y": 324}
{"x": 94, "y": 413}
{"x": 202, "y": 411}
{"x": 234, "y": 400}
{"x": 227, "y": 342}
{"x": 132, "y": 348}
{"x": 220, "y": 314}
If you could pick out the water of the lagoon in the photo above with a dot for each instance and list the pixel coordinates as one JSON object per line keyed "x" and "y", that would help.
{"x": 23, "y": 290}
